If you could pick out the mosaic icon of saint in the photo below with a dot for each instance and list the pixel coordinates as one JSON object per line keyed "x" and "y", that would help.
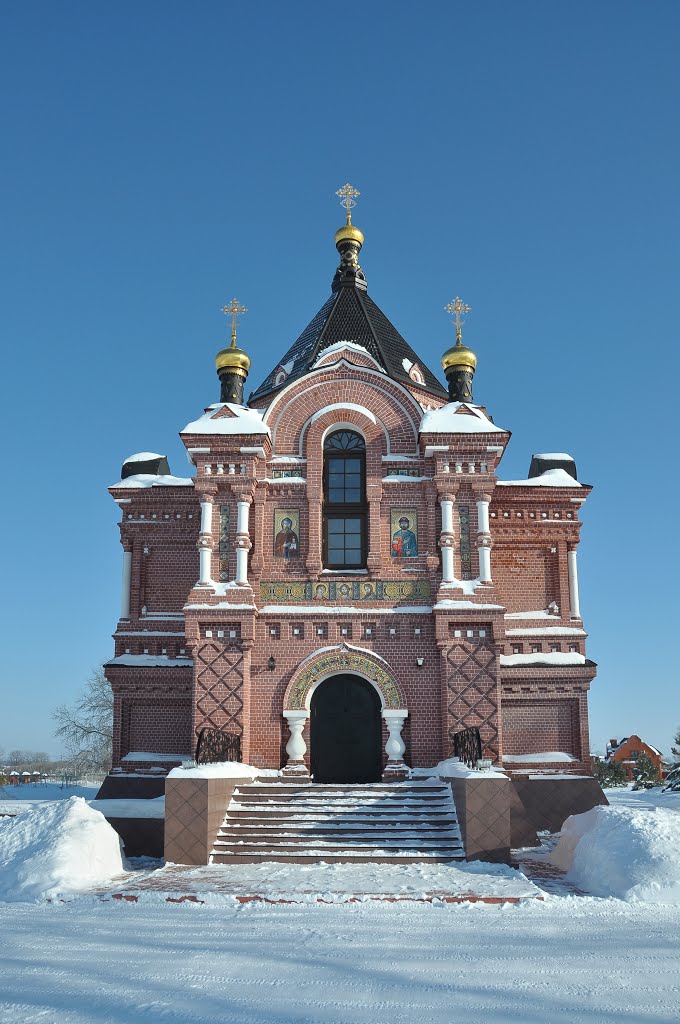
{"x": 404, "y": 542}
{"x": 286, "y": 542}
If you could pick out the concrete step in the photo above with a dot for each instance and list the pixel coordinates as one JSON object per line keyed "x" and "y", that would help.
{"x": 303, "y": 823}
{"x": 323, "y": 856}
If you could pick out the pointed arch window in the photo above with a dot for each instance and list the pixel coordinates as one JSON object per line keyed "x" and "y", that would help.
{"x": 344, "y": 504}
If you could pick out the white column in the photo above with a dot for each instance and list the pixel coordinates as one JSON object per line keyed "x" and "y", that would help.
{"x": 484, "y": 538}
{"x": 127, "y": 578}
{"x": 205, "y": 559}
{"x": 483, "y": 516}
{"x": 484, "y": 564}
{"x": 205, "y": 542}
{"x": 296, "y": 748}
{"x": 573, "y": 584}
{"x": 395, "y": 747}
{"x": 206, "y": 516}
{"x": 446, "y": 540}
{"x": 242, "y": 542}
{"x": 242, "y": 516}
{"x": 447, "y": 515}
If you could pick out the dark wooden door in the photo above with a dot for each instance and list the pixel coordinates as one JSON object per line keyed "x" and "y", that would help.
{"x": 346, "y": 731}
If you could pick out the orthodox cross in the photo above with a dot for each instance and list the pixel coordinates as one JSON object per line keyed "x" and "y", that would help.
{"x": 346, "y": 195}
{"x": 455, "y": 308}
{"x": 234, "y": 310}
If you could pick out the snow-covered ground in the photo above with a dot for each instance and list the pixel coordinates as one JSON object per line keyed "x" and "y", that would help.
{"x": 17, "y": 799}
{"x": 572, "y": 960}
{"x": 92, "y": 959}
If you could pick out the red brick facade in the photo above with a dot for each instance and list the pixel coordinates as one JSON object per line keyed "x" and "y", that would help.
{"x": 469, "y": 653}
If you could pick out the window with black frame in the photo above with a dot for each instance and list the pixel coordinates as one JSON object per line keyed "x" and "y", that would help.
{"x": 344, "y": 507}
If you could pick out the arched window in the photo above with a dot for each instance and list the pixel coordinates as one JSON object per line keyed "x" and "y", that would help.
{"x": 344, "y": 506}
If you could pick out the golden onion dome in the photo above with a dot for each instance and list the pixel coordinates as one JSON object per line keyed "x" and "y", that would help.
{"x": 234, "y": 359}
{"x": 460, "y": 356}
{"x": 348, "y": 233}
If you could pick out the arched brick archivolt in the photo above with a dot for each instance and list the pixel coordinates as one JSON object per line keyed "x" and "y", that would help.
{"x": 334, "y": 661}
{"x": 394, "y": 414}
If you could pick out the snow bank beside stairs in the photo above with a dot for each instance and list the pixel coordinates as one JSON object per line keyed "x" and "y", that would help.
{"x": 629, "y": 853}
{"x": 56, "y": 849}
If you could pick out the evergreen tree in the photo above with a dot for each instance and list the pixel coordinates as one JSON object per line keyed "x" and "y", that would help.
{"x": 610, "y": 774}
{"x": 646, "y": 773}
{"x": 675, "y": 751}
{"x": 673, "y": 780}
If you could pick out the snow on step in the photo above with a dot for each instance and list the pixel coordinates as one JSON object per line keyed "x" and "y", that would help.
{"x": 305, "y": 823}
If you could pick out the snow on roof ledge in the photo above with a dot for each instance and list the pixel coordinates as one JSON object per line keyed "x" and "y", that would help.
{"x": 550, "y": 658}
{"x": 143, "y": 457}
{"x": 557, "y": 456}
{"x": 152, "y": 480}
{"x": 241, "y": 421}
{"x": 149, "y": 661}
{"x": 551, "y": 478}
{"x": 449, "y": 420}
{"x": 338, "y": 346}
{"x": 350, "y": 406}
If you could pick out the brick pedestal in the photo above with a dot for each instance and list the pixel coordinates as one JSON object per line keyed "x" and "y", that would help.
{"x": 194, "y": 811}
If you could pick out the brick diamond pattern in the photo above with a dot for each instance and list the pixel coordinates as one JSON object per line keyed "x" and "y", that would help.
{"x": 472, "y": 692}
{"x": 185, "y": 824}
{"x": 219, "y": 687}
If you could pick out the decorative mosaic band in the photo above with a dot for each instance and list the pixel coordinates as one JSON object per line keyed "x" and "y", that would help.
{"x": 346, "y": 590}
{"x": 343, "y": 661}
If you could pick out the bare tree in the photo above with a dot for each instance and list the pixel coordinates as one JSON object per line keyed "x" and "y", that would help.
{"x": 86, "y": 726}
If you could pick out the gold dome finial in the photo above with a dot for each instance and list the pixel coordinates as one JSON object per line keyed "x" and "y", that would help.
{"x": 460, "y": 361}
{"x": 233, "y": 362}
{"x": 455, "y": 308}
{"x": 348, "y": 233}
{"x": 234, "y": 310}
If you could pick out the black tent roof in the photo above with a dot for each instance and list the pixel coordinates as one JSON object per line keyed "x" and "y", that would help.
{"x": 350, "y": 314}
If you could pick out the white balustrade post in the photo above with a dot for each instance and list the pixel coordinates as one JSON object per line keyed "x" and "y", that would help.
{"x": 395, "y": 770}
{"x": 484, "y": 538}
{"x": 573, "y": 583}
{"x": 243, "y": 544}
{"x": 127, "y": 580}
{"x": 446, "y": 540}
{"x": 296, "y": 748}
{"x": 395, "y": 746}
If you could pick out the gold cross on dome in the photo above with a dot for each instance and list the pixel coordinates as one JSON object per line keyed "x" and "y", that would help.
{"x": 455, "y": 308}
{"x": 346, "y": 195}
{"x": 234, "y": 310}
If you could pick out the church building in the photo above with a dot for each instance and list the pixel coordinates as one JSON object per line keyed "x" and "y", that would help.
{"x": 346, "y": 581}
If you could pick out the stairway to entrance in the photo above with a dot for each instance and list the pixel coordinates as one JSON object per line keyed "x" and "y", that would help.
{"x": 298, "y": 823}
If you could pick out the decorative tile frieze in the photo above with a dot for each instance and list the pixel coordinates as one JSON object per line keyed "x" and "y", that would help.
{"x": 346, "y": 590}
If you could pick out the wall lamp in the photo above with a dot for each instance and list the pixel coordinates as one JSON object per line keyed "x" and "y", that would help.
{"x": 271, "y": 664}
{"x": 420, "y": 662}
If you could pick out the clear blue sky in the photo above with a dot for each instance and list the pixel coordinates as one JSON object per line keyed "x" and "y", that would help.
{"x": 162, "y": 157}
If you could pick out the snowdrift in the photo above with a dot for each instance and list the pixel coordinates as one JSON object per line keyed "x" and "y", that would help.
{"x": 630, "y": 853}
{"x": 56, "y": 849}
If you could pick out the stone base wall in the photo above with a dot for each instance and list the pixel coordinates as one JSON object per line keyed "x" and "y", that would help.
{"x": 141, "y": 837}
{"x": 130, "y": 787}
{"x": 483, "y": 808}
{"x": 543, "y": 803}
{"x": 497, "y": 814}
{"x": 194, "y": 812}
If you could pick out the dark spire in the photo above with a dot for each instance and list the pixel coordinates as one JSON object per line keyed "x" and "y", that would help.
{"x": 350, "y": 314}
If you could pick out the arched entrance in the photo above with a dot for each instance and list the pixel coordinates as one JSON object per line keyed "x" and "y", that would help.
{"x": 345, "y": 731}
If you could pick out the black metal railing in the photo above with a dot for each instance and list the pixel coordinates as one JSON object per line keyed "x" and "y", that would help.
{"x": 467, "y": 745}
{"x": 214, "y": 745}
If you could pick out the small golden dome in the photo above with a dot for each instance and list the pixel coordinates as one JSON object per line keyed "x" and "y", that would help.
{"x": 348, "y": 233}
{"x": 234, "y": 359}
{"x": 460, "y": 356}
